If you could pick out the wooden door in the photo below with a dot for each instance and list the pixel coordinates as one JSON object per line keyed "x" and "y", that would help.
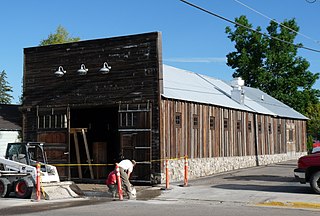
{"x": 135, "y": 138}
{"x": 52, "y": 129}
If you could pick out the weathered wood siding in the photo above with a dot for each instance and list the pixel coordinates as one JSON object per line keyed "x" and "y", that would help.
{"x": 233, "y": 134}
{"x": 135, "y": 77}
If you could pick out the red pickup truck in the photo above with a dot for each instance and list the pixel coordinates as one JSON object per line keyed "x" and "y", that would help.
{"x": 309, "y": 171}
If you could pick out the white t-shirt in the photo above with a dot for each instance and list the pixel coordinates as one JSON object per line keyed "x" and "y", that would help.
{"x": 126, "y": 165}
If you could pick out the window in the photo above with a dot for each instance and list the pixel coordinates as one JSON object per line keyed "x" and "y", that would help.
{"x": 279, "y": 128}
{"x": 239, "y": 125}
{"x": 290, "y": 135}
{"x": 270, "y": 128}
{"x": 40, "y": 121}
{"x": 195, "y": 121}
{"x": 178, "y": 119}
{"x": 47, "y": 121}
{"x": 52, "y": 121}
{"x": 212, "y": 122}
{"x": 249, "y": 126}
{"x": 225, "y": 123}
{"x": 128, "y": 119}
{"x": 259, "y": 127}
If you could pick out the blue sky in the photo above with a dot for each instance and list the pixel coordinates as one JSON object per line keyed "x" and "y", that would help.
{"x": 191, "y": 39}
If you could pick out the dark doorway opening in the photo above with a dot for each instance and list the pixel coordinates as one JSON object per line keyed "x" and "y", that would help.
{"x": 101, "y": 126}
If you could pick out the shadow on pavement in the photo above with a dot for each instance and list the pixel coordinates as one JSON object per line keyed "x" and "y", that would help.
{"x": 267, "y": 188}
{"x": 293, "y": 165}
{"x": 271, "y": 178}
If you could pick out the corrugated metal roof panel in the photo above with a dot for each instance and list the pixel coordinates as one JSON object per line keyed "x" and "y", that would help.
{"x": 277, "y": 107}
{"x": 189, "y": 86}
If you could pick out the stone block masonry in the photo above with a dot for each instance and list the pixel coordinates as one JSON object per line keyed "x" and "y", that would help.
{"x": 201, "y": 167}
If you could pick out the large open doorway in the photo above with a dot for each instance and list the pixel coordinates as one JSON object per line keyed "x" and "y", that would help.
{"x": 101, "y": 147}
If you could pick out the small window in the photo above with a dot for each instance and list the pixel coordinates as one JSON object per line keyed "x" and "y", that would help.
{"x": 259, "y": 127}
{"x": 41, "y": 122}
{"x": 59, "y": 120}
{"x": 290, "y": 135}
{"x": 239, "y": 125}
{"x": 128, "y": 119}
{"x": 178, "y": 120}
{"x": 212, "y": 123}
{"x": 249, "y": 126}
{"x": 195, "y": 121}
{"x": 52, "y": 121}
{"x": 270, "y": 128}
{"x": 279, "y": 128}
{"x": 225, "y": 123}
{"x": 47, "y": 121}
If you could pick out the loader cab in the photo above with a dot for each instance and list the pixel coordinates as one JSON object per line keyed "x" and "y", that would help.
{"x": 27, "y": 153}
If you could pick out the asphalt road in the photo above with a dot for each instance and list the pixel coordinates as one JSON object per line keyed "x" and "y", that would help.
{"x": 262, "y": 190}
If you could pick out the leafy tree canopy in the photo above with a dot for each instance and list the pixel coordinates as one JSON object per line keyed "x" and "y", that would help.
{"x": 61, "y": 36}
{"x": 5, "y": 89}
{"x": 271, "y": 65}
{"x": 313, "y": 112}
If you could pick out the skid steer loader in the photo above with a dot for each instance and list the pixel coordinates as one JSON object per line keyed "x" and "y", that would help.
{"x": 18, "y": 173}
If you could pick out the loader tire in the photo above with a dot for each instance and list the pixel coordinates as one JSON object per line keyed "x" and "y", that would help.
{"x": 23, "y": 189}
{"x": 5, "y": 187}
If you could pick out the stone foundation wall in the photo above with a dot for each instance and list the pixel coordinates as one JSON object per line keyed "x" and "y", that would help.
{"x": 208, "y": 166}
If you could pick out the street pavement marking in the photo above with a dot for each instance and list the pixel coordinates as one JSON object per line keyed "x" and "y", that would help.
{"x": 291, "y": 204}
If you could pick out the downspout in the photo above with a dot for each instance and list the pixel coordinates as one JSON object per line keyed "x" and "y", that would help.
{"x": 69, "y": 144}
{"x": 255, "y": 119}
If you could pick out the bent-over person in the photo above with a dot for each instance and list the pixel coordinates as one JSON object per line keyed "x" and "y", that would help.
{"x": 126, "y": 168}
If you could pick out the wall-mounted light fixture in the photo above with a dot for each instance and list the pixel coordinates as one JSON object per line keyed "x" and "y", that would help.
{"x": 83, "y": 70}
{"x": 60, "y": 72}
{"x": 105, "y": 68}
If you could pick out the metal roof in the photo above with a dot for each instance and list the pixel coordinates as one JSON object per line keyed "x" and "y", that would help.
{"x": 189, "y": 86}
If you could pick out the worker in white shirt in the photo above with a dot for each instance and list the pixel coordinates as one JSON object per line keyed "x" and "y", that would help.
{"x": 126, "y": 168}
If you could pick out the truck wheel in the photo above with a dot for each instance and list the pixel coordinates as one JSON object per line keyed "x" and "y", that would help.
{"x": 22, "y": 189}
{"x": 315, "y": 182}
{"x": 5, "y": 187}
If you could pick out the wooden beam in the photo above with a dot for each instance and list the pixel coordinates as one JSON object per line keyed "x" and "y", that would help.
{"x": 87, "y": 151}
{"x": 76, "y": 144}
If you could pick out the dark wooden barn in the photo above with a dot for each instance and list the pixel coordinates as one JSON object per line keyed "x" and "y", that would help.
{"x": 92, "y": 101}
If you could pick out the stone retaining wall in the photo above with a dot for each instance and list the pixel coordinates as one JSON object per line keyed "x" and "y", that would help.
{"x": 208, "y": 166}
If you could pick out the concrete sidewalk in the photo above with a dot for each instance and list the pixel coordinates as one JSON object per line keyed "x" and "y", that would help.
{"x": 271, "y": 185}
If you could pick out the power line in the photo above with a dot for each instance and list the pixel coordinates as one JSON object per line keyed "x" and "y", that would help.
{"x": 239, "y": 24}
{"x": 265, "y": 16}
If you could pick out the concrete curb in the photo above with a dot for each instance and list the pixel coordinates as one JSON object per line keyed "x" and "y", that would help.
{"x": 290, "y": 204}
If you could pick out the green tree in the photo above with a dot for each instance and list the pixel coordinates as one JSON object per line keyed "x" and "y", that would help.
{"x": 61, "y": 36}
{"x": 5, "y": 89}
{"x": 313, "y": 112}
{"x": 273, "y": 65}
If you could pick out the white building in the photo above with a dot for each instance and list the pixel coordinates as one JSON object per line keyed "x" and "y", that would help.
{"x": 10, "y": 125}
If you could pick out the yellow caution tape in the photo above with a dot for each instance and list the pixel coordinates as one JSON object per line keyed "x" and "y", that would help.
{"x": 152, "y": 161}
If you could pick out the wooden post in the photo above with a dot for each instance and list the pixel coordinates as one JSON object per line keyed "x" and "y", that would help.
{"x": 76, "y": 145}
{"x": 87, "y": 151}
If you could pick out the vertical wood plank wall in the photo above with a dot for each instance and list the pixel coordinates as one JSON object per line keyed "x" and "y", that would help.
{"x": 231, "y": 135}
{"x": 135, "y": 78}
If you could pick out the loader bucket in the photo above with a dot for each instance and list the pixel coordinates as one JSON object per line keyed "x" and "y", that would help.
{"x": 60, "y": 190}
